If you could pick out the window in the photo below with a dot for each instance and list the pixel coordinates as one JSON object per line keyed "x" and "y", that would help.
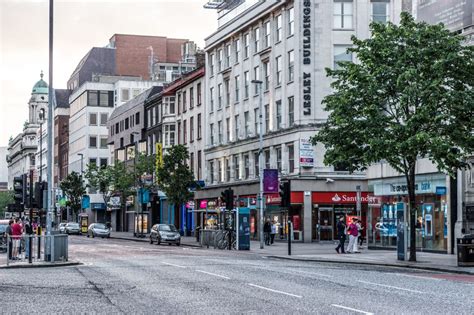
{"x": 257, "y": 121}
{"x": 279, "y": 118}
{"x": 278, "y": 155}
{"x": 92, "y": 161}
{"x": 135, "y": 92}
{"x": 179, "y": 132}
{"x": 380, "y": 11}
{"x": 191, "y": 97}
{"x": 227, "y": 92}
{"x": 137, "y": 118}
{"x": 125, "y": 94}
{"x": 341, "y": 54}
{"x": 92, "y": 98}
{"x": 278, "y": 70}
{"x": 246, "y": 45}
{"x": 246, "y": 84}
{"x": 199, "y": 126}
{"x": 191, "y": 161}
{"x": 92, "y": 141}
{"x": 170, "y": 135}
{"x": 104, "y": 99}
{"x": 185, "y": 132}
{"x": 246, "y": 166}
{"x": 211, "y": 63}
{"x": 219, "y": 60}
{"x": 267, "y": 159}
{"x": 343, "y": 14}
{"x": 291, "y": 158}
{"x": 126, "y": 123}
{"x": 291, "y": 111}
{"x": 247, "y": 124}
{"x": 103, "y": 142}
{"x": 236, "y": 167}
{"x": 117, "y": 128}
{"x": 237, "y": 131}
{"x": 227, "y": 55}
{"x": 227, "y": 169}
{"x": 199, "y": 165}
{"x": 266, "y": 76}
{"x": 256, "y": 165}
{"x": 92, "y": 119}
{"x": 191, "y": 129}
{"x": 227, "y": 129}
{"x": 220, "y": 132}
{"x": 211, "y": 134}
{"x": 237, "y": 50}
{"x": 211, "y": 99}
{"x": 291, "y": 21}
{"x": 237, "y": 88}
{"x": 219, "y": 96}
{"x": 220, "y": 173}
{"x": 291, "y": 66}
{"x": 267, "y": 118}
{"x": 103, "y": 162}
{"x": 267, "y": 29}
{"x": 256, "y": 37}
{"x": 279, "y": 28}
{"x": 211, "y": 171}
{"x": 199, "y": 94}
{"x": 185, "y": 105}
{"x": 256, "y": 75}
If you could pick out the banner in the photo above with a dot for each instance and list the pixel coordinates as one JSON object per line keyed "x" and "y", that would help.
{"x": 159, "y": 155}
{"x": 306, "y": 153}
{"x": 270, "y": 181}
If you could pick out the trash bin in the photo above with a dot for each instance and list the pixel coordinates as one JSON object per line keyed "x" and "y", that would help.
{"x": 466, "y": 251}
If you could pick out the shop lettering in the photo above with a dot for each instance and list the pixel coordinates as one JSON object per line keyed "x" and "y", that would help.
{"x": 424, "y": 186}
{"x": 352, "y": 199}
{"x": 306, "y": 45}
{"x": 306, "y": 93}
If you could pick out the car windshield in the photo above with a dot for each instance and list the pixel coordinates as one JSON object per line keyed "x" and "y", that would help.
{"x": 74, "y": 225}
{"x": 100, "y": 226}
{"x": 167, "y": 228}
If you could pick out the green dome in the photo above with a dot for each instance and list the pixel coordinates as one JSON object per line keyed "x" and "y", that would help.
{"x": 41, "y": 87}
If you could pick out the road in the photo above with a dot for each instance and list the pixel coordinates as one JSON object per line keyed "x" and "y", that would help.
{"x": 128, "y": 277}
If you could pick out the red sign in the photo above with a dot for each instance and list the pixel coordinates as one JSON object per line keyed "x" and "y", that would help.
{"x": 272, "y": 199}
{"x": 338, "y": 197}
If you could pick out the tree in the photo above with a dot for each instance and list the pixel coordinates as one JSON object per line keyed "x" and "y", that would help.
{"x": 175, "y": 177}
{"x": 73, "y": 187}
{"x": 6, "y": 197}
{"x": 409, "y": 96}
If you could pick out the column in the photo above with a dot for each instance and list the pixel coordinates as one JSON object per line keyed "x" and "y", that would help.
{"x": 307, "y": 219}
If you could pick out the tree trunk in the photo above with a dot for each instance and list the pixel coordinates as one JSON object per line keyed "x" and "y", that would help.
{"x": 412, "y": 202}
{"x": 176, "y": 216}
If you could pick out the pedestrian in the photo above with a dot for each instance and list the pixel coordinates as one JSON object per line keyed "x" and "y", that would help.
{"x": 8, "y": 233}
{"x": 341, "y": 234}
{"x": 353, "y": 232}
{"x": 267, "y": 229}
{"x": 360, "y": 237}
{"x": 28, "y": 235}
{"x": 273, "y": 232}
{"x": 16, "y": 235}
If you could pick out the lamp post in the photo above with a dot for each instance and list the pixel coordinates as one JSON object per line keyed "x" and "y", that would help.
{"x": 50, "y": 123}
{"x": 260, "y": 159}
{"x": 41, "y": 121}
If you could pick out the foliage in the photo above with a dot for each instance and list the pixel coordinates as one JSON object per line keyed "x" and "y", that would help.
{"x": 6, "y": 197}
{"x": 175, "y": 177}
{"x": 409, "y": 96}
{"x": 145, "y": 166}
{"x": 74, "y": 188}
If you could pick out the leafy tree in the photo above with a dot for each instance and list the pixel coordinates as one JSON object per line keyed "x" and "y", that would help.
{"x": 409, "y": 96}
{"x": 145, "y": 165}
{"x": 74, "y": 188}
{"x": 175, "y": 177}
{"x": 6, "y": 197}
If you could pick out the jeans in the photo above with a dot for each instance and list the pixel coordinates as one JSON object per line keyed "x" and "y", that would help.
{"x": 27, "y": 249}
{"x": 352, "y": 240}
{"x": 342, "y": 240}
{"x": 267, "y": 238}
{"x": 272, "y": 238}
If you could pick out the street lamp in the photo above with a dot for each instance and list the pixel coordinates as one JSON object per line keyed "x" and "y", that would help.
{"x": 260, "y": 159}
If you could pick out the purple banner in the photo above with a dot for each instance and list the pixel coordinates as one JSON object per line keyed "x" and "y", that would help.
{"x": 270, "y": 181}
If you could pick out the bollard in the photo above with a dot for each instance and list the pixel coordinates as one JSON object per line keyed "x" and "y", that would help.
{"x": 38, "y": 232}
{"x": 30, "y": 248}
{"x": 290, "y": 233}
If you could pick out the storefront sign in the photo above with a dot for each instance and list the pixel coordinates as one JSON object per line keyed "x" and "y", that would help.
{"x": 270, "y": 181}
{"x": 339, "y": 197}
{"x": 306, "y": 153}
{"x": 273, "y": 199}
{"x": 423, "y": 185}
{"x": 307, "y": 51}
{"x": 441, "y": 190}
{"x": 203, "y": 204}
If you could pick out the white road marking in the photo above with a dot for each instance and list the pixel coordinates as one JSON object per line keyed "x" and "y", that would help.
{"x": 352, "y": 309}
{"x": 213, "y": 274}
{"x": 413, "y": 276}
{"x": 172, "y": 265}
{"x": 276, "y": 291}
{"x": 389, "y": 286}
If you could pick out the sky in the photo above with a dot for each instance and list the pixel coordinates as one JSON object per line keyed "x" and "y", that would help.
{"x": 79, "y": 25}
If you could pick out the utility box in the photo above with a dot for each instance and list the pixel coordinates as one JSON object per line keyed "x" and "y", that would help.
{"x": 466, "y": 251}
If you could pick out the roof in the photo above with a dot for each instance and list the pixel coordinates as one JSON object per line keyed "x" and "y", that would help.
{"x": 40, "y": 87}
{"x": 184, "y": 80}
{"x": 136, "y": 101}
{"x": 62, "y": 98}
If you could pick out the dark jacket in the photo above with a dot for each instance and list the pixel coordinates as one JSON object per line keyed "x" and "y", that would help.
{"x": 267, "y": 227}
{"x": 341, "y": 229}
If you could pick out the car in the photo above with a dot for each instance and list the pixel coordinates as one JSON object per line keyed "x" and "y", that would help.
{"x": 72, "y": 228}
{"x": 98, "y": 229}
{"x": 62, "y": 227}
{"x": 165, "y": 233}
{"x": 3, "y": 236}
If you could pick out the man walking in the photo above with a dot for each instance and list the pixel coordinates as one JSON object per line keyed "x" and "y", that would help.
{"x": 273, "y": 232}
{"x": 267, "y": 228}
{"x": 28, "y": 234}
{"x": 353, "y": 233}
{"x": 341, "y": 234}
{"x": 8, "y": 232}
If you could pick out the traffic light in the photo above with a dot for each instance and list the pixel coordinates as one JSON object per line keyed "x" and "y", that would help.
{"x": 39, "y": 188}
{"x": 227, "y": 197}
{"x": 19, "y": 189}
{"x": 285, "y": 194}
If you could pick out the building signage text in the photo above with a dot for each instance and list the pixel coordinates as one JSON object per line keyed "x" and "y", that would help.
{"x": 306, "y": 44}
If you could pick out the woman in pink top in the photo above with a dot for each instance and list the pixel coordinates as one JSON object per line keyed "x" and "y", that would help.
{"x": 16, "y": 236}
{"x": 353, "y": 232}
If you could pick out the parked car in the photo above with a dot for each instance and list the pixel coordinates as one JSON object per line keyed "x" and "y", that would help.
{"x": 72, "y": 228}
{"x": 165, "y": 233}
{"x": 98, "y": 229}
{"x": 62, "y": 227}
{"x": 3, "y": 235}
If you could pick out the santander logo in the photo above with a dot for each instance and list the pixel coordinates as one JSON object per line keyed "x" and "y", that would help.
{"x": 336, "y": 198}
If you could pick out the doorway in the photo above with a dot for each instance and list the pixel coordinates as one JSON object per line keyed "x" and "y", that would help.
{"x": 326, "y": 224}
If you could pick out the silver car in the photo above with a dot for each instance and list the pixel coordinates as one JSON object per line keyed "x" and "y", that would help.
{"x": 165, "y": 233}
{"x": 72, "y": 228}
{"x": 99, "y": 230}
{"x": 62, "y": 227}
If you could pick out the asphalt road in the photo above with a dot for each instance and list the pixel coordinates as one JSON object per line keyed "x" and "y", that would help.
{"x": 137, "y": 278}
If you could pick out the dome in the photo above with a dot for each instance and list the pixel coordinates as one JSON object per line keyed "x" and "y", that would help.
{"x": 41, "y": 87}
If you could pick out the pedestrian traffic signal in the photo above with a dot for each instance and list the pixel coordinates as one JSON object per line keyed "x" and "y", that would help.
{"x": 227, "y": 197}
{"x": 19, "y": 190}
{"x": 285, "y": 194}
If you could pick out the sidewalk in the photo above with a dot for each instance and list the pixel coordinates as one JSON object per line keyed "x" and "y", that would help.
{"x": 324, "y": 252}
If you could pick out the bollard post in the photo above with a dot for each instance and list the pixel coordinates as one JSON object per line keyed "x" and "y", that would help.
{"x": 51, "y": 241}
{"x": 38, "y": 232}
{"x": 290, "y": 234}
{"x": 30, "y": 248}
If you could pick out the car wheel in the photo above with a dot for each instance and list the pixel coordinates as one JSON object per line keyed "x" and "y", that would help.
{"x": 88, "y": 235}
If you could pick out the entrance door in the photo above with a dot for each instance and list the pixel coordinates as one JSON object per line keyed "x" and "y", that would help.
{"x": 326, "y": 224}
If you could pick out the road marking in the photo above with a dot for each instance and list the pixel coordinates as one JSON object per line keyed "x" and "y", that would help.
{"x": 213, "y": 274}
{"x": 172, "y": 265}
{"x": 413, "y": 276}
{"x": 276, "y": 291}
{"x": 352, "y": 309}
{"x": 389, "y": 286}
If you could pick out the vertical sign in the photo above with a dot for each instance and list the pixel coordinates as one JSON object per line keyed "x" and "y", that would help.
{"x": 244, "y": 229}
{"x": 401, "y": 231}
{"x": 159, "y": 156}
{"x": 306, "y": 153}
{"x": 306, "y": 37}
{"x": 270, "y": 181}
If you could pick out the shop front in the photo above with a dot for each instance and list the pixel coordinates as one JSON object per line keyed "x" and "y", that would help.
{"x": 327, "y": 209}
{"x": 431, "y": 212}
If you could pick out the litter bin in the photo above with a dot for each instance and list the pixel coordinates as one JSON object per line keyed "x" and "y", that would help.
{"x": 466, "y": 251}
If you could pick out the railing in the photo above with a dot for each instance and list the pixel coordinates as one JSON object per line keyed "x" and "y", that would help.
{"x": 31, "y": 249}
{"x": 218, "y": 238}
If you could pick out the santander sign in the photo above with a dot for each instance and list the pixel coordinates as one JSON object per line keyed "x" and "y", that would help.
{"x": 339, "y": 197}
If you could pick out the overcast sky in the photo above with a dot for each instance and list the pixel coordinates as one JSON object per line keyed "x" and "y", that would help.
{"x": 79, "y": 25}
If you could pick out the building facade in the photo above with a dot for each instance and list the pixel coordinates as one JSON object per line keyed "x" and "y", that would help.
{"x": 285, "y": 45}
{"x": 3, "y": 169}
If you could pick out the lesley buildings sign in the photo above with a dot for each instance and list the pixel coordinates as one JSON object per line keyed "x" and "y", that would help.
{"x": 306, "y": 41}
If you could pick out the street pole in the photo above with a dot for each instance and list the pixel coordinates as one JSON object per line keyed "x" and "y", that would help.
{"x": 358, "y": 205}
{"x": 50, "y": 121}
{"x": 260, "y": 158}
